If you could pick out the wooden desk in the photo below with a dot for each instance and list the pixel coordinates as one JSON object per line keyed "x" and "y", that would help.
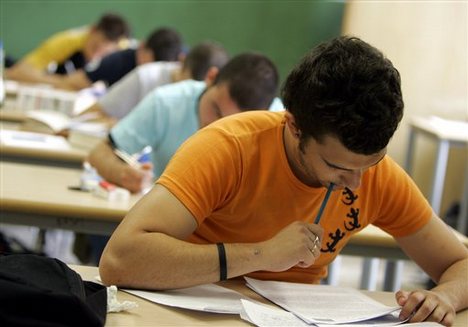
{"x": 12, "y": 115}
{"x": 52, "y": 157}
{"x": 447, "y": 134}
{"x": 153, "y": 314}
{"x": 38, "y": 151}
{"x": 39, "y": 196}
{"x": 373, "y": 242}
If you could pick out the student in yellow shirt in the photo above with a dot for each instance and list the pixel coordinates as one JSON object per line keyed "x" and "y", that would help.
{"x": 67, "y": 51}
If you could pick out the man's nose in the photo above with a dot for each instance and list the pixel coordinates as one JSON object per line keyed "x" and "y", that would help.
{"x": 353, "y": 179}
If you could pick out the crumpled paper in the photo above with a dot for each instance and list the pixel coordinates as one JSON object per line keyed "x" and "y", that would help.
{"x": 113, "y": 305}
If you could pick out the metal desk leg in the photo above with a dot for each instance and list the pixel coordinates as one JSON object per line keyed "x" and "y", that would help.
{"x": 393, "y": 273}
{"x": 463, "y": 215}
{"x": 409, "y": 152}
{"x": 334, "y": 271}
{"x": 370, "y": 270}
{"x": 439, "y": 175}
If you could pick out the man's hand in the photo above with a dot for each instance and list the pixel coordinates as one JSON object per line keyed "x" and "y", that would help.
{"x": 424, "y": 305}
{"x": 297, "y": 244}
{"x": 137, "y": 179}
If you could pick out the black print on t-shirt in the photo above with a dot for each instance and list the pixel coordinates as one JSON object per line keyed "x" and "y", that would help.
{"x": 336, "y": 237}
{"x": 354, "y": 223}
{"x": 349, "y": 197}
{"x": 350, "y": 222}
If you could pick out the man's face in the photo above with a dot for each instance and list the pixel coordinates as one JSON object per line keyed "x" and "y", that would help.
{"x": 330, "y": 162}
{"x": 98, "y": 46}
{"x": 216, "y": 103}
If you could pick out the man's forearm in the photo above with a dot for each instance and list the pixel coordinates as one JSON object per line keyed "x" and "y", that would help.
{"x": 158, "y": 261}
{"x": 107, "y": 164}
{"x": 24, "y": 72}
{"x": 454, "y": 284}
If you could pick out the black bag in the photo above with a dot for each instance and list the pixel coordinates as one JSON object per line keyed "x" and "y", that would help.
{"x": 40, "y": 291}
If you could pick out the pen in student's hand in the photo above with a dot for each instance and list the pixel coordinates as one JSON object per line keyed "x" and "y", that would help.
{"x": 125, "y": 157}
{"x": 324, "y": 203}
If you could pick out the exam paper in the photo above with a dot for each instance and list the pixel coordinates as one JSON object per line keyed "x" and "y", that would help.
{"x": 33, "y": 140}
{"x": 264, "y": 316}
{"x": 208, "y": 297}
{"x": 321, "y": 304}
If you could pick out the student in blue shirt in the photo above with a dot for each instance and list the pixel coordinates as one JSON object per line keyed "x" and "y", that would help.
{"x": 166, "y": 117}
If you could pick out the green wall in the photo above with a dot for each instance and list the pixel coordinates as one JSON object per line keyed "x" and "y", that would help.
{"x": 284, "y": 30}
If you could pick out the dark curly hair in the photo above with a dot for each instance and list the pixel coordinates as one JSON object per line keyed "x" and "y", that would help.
{"x": 252, "y": 79}
{"x": 165, "y": 43}
{"x": 204, "y": 56}
{"x": 345, "y": 88}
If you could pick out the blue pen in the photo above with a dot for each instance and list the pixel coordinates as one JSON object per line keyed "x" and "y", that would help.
{"x": 145, "y": 154}
{"x": 324, "y": 203}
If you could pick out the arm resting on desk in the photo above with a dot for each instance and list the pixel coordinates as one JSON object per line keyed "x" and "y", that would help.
{"x": 147, "y": 249}
{"x": 25, "y": 72}
{"x": 445, "y": 259}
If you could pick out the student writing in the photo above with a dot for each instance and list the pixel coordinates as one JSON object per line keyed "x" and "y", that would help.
{"x": 248, "y": 184}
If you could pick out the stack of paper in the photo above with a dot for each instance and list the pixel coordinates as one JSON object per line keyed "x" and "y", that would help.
{"x": 303, "y": 304}
{"x": 208, "y": 298}
{"x": 33, "y": 140}
{"x": 323, "y": 304}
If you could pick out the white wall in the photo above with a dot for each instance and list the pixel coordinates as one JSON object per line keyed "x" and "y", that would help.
{"x": 427, "y": 41}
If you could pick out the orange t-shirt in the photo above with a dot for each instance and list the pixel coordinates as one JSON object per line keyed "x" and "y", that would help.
{"x": 235, "y": 179}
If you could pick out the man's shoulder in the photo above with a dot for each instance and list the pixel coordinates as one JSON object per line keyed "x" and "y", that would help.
{"x": 249, "y": 122}
{"x": 257, "y": 117}
{"x": 68, "y": 38}
{"x": 183, "y": 89}
{"x": 157, "y": 67}
{"x": 113, "y": 63}
{"x": 120, "y": 55}
{"x": 76, "y": 32}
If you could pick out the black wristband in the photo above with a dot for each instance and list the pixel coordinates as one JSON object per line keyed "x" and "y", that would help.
{"x": 222, "y": 261}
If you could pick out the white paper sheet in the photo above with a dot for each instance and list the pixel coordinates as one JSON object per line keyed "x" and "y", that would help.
{"x": 209, "y": 298}
{"x": 321, "y": 304}
{"x": 266, "y": 316}
{"x": 33, "y": 140}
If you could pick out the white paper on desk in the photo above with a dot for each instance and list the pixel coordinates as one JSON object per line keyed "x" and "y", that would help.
{"x": 33, "y": 140}
{"x": 321, "y": 303}
{"x": 263, "y": 315}
{"x": 208, "y": 297}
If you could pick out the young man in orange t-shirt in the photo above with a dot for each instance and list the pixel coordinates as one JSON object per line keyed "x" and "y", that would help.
{"x": 240, "y": 197}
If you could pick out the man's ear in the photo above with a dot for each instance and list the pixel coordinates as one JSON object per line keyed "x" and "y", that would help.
{"x": 211, "y": 75}
{"x": 291, "y": 123}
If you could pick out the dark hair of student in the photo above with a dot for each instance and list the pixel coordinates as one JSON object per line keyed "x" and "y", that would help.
{"x": 347, "y": 89}
{"x": 165, "y": 43}
{"x": 113, "y": 26}
{"x": 252, "y": 80}
{"x": 203, "y": 56}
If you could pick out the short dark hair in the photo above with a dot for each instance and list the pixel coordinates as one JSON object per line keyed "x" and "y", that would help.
{"x": 203, "y": 56}
{"x": 165, "y": 43}
{"x": 113, "y": 26}
{"x": 345, "y": 88}
{"x": 252, "y": 79}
